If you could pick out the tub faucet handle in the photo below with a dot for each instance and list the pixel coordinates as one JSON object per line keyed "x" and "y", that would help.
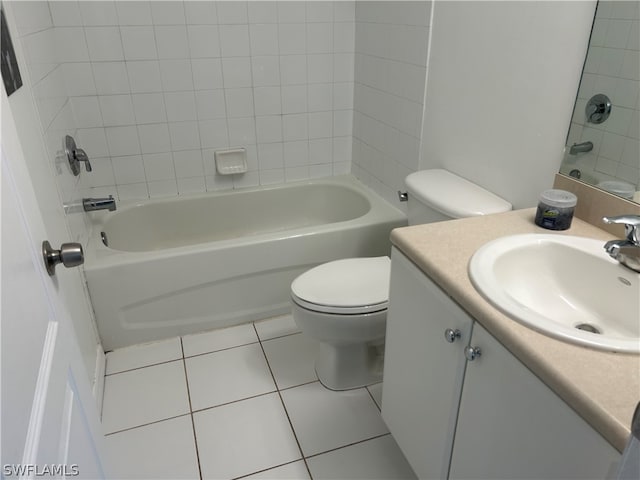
{"x": 75, "y": 156}
{"x": 82, "y": 156}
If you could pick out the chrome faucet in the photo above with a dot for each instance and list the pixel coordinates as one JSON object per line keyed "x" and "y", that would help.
{"x": 626, "y": 251}
{"x": 93, "y": 204}
{"x": 583, "y": 147}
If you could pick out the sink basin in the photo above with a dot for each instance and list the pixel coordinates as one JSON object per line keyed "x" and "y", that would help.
{"x": 563, "y": 286}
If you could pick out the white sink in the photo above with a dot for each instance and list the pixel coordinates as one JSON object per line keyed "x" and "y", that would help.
{"x": 562, "y": 286}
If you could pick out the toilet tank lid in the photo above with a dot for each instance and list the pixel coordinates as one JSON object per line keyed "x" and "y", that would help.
{"x": 352, "y": 282}
{"x": 452, "y": 195}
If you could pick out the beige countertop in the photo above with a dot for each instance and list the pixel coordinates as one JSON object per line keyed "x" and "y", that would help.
{"x": 603, "y": 387}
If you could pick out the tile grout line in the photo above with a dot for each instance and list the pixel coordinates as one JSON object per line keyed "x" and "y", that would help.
{"x": 234, "y": 401}
{"x": 144, "y": 366}
{"x": 372, "y": 398}
{"x": 264, "y": 470}
{"x": 295, "y": 436}
{"x": 348, "y": 445}
{"x": 146, "y": 424}
{"x": 219, "y": 350}
{"x": 277, "y": 336}
{"x": 193, "y": 423}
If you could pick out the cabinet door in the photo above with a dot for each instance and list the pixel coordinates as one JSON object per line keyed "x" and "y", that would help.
{"x": 422, "y": 372}
{"x": 511, "y": 425}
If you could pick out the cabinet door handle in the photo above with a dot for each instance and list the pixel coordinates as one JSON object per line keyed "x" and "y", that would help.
{"x": 451, "y": 335}
{"x": 471, "y": 353}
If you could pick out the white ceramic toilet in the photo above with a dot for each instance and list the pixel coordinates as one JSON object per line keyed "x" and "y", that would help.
{"x": 343, "y": 304}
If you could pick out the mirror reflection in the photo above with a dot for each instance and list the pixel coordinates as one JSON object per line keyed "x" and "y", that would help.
{"x": 602, "y": 143}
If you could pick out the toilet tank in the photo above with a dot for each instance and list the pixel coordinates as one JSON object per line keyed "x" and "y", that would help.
{"x": 437, "y": 195}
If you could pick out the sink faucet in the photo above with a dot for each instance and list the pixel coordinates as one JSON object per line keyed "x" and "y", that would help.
{"x": 626, "y": 251}
{"x": 93, "y": 204}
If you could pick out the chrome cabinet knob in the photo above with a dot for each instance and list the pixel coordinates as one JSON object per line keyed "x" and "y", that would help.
{"x": 451, "y": 335}
{"x": 70, "y": 255}
{"x": 471, "y": 353}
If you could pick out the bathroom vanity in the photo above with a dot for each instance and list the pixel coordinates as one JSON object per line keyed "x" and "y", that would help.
{"x": 470, "y": 393}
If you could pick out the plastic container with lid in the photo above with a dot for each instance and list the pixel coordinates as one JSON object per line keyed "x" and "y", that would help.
{"x": 555, "y": 209}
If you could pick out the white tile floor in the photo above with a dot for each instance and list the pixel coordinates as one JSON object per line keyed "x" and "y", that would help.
{"x": 240, "y": 402}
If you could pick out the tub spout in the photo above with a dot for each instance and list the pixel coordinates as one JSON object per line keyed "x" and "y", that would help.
{"x": 583, "y": 147}
{"x": 93, "y": 204}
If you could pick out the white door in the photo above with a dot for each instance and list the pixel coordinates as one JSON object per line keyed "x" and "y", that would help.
{"x": 49, "y": 420}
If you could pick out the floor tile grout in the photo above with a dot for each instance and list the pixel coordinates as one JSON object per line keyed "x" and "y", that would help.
{"x": 220, "y": 350}
{"x": 279, "y": 336}
{"x": 193, "y": 423}
{"x": 284, "y": 407}
{"x": 143, "y": 366}
{"x": 347, "y": 445}
{"x": 266, "y": 469}
{"x": 234, "y": 401}
{"x": 373, "y": 398}
{"x": 147, "y": 424}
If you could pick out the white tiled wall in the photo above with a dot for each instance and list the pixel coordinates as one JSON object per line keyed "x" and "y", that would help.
{"x": 612, "y": 68}
{"x": 392, "y": 40}
{"x": 46, "y": 51}
{"x": 150, "y": 89}
{"x": 158, "y": 86}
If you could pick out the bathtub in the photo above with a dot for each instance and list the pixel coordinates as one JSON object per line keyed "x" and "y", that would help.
{"x": 189, "y": 264}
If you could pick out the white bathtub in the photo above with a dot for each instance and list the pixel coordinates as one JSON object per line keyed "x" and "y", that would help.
{"x": 184, "y": 265}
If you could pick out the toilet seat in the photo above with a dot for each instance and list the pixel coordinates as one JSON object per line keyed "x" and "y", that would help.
{"x": 347, "y": 287}
{"x": 340, "y": 310}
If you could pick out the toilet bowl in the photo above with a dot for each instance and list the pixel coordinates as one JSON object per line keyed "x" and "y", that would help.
{"x": 343, "y": 304}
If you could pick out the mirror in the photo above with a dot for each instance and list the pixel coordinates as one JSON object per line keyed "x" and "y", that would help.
{"x": 602, "y": 143}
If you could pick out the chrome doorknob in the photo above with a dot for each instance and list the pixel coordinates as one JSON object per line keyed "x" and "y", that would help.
{"x": 70, "y": 255}
{"x": 471, "y": 353}
{"x": 451, "y": 335}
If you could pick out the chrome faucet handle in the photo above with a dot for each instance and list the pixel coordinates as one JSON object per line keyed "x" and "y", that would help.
{"x": 631, "y": 226}
{"x": 75, "y": 155}
{"x": 82, "y": 156}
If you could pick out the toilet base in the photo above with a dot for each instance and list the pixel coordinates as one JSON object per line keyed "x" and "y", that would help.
{"x": 345, "y": 367}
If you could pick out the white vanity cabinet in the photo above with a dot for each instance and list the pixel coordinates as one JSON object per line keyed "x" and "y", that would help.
{"x": 423, "y": 372}
{"x": 486, "y": 418}
{"x": 511, "y": 425}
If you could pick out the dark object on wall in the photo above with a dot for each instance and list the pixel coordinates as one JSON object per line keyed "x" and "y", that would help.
{"x": 10, "y": 72}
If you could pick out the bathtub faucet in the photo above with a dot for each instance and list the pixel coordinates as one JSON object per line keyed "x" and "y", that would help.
{"x": 93, "y": 204}
{"x": 583, "y": 147}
